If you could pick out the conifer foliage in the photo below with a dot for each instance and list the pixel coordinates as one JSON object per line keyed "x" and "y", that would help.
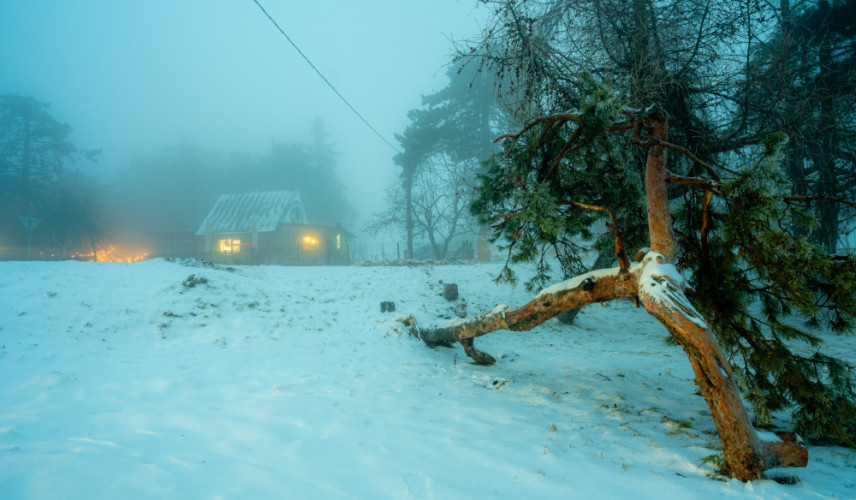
{"x": 731, "y": 280}
{"x": 768, "y": 292}
{"x": 765, "y": 290}
{"x": 534, "y": 196}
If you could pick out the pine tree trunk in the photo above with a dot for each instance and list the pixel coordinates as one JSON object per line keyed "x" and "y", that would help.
{"x": 408, "y": 207}
{"x": 659, "y": 214}
{"x": 787, "y": 120}
{"x": 746, "y": 457}
{"x": 827, "y": 182}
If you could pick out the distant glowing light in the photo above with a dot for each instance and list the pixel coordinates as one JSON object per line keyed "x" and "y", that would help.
{"x": 111, "y": 254}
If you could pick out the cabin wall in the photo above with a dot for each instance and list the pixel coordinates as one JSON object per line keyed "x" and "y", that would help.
{"x": 289, "y": 245}
{"x": 314, "y": 245}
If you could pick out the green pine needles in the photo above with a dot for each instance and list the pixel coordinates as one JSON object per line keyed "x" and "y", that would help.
{"x": 528, "y": 194}
{"x": 766, "y": 290}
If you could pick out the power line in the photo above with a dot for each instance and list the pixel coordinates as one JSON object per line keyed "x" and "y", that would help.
{"x": 369, "y": 125}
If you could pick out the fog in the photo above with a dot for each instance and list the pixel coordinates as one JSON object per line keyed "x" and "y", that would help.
{"x": 132, "y": 78}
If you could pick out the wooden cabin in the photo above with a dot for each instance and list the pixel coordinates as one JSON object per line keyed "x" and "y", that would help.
{"x": 268, "y": 228}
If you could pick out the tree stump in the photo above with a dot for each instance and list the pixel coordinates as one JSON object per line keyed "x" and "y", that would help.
{"x": 450, "y": 291}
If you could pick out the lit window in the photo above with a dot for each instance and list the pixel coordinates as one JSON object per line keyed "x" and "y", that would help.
{"x": 310, "y": 242}
{"x": 338, "y": 242}
{"x": 230, "y": 246}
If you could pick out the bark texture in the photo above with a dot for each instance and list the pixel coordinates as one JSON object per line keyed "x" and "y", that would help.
{"x": 659, "y": 215}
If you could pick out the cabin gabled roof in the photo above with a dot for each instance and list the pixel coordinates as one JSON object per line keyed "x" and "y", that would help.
{"x": 236, "y": 213}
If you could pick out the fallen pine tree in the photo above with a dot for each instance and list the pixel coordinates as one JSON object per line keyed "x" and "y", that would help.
{"x": 735, "y": 246}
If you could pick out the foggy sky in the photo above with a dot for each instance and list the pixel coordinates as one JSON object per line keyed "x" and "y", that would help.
{"x": 133, "y": 77}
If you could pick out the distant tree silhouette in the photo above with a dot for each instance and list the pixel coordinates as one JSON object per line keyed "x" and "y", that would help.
{"x": 34, "y": 149}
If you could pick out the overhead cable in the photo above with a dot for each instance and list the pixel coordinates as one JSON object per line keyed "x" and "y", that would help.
{"x": 369, "y": 125}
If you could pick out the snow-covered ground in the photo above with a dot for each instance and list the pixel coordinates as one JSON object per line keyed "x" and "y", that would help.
{"x": 129, "y": 381}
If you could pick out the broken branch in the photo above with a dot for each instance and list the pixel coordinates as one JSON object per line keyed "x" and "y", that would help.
{"x": 596, "y": 286}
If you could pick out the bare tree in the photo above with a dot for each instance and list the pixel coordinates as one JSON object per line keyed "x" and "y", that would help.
{"x": 440, "y": 196}
{"x": 449, "y": 136}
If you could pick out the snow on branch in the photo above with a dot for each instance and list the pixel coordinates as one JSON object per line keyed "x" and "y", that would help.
{"x": 592, "y": 287}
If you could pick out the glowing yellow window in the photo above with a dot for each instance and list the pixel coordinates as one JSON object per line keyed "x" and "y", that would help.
{"x": 230, "y": 246}
{"x": 338, "y": 242}
{"x": 310, "y": 242}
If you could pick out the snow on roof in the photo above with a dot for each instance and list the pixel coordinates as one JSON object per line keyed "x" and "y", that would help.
{"x": 235, "y": 213}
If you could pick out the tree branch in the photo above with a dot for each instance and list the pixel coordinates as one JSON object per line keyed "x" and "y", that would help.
{"x": 551, "y": 120}
{"x": 654, "y": 141}
{"x": 566, "y": 149}
{"x": 705, "y": 229}
{"x": 695, "y": 182}
{"x": 816, "y": 197}
{"x": 559, "y": 119}
{"x": 614, "y": 226}
{"x": 596, "y": 286}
